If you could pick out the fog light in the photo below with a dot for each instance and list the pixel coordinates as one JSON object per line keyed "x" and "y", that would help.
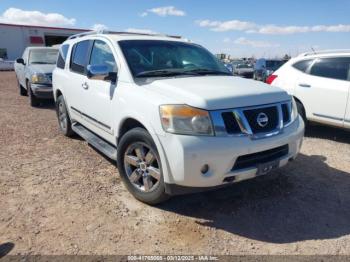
{"x": 205, "y": 169}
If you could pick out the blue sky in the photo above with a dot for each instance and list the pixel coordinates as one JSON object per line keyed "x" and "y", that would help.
{"x": 241, "y": 28}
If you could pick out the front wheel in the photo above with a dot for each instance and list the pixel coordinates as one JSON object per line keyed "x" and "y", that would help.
{"x": 140, "y": 167}
{"x": 22, "y": 90}
{"x": 34, "y": 101}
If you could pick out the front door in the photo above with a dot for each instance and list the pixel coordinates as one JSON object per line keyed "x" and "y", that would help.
{"x": 98, "y": 94}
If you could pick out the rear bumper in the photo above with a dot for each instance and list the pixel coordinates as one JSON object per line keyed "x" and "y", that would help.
{"x": 42, "y": 91}
{"x": 186, "y": 155}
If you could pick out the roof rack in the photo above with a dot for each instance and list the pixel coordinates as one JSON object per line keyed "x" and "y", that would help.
{"x": 103, "y": 32}
{"x": 325, "y": 52}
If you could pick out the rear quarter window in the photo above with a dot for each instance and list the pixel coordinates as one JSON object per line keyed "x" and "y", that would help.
{"x": 303, "y": 65}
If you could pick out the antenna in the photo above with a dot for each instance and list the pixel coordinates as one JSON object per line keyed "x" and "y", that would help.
{"x": 313, "y": 50}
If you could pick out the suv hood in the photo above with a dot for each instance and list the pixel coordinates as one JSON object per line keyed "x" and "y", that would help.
{"x": 218, "y": 92}
{"x": 44, "y": 69}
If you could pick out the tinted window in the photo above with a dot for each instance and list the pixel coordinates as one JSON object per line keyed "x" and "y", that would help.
{"x": 80, "y": 56}
{"x": 61, "y": 60}
{"x": 336, "y": 68}
{"x": 151, "y": 55}
{"x": 273, "y": 64}
{"x": 102, "y": 55}
{"x": 303, "y": 65}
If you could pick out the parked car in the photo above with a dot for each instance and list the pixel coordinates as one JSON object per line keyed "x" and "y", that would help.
{"x": 234, "y": 64}
{"x": 244, "y": 70}
{"x": 6, "y": 65}
{"x": 170, "y": 114}
{"x": 320, "y": 83}
{"x": 265, "y": 67}
{"x": 34, "y": 73}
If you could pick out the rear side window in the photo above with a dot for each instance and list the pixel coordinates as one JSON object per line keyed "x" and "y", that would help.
{"x": 61, "y": 61}
{"x": 303, "y": 65}
{"x": 80, "y": 56}
{"x": 335, "y": 68}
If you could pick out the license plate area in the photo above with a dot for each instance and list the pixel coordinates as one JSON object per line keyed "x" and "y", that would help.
{"x": 266, "y": 168}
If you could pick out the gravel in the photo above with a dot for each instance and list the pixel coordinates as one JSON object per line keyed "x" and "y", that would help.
{"x": 60, "y": 196}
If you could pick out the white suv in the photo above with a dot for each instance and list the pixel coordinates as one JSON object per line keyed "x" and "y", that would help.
{"x": 171, "y": 114}
{"x": 320, "y": 83}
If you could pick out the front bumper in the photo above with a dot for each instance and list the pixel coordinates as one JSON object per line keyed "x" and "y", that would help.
{"x": 42, "y": 91}
{"x": 186, "y": 155}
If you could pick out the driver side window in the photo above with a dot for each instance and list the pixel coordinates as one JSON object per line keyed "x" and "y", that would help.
{"x": 101, "y": 54}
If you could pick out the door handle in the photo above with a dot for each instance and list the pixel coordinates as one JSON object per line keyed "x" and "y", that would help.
{"x": 85, "y": 85}
{"x": 304, "y": 85}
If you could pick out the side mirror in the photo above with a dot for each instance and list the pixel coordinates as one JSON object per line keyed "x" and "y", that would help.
{"x": 20, "y": 61}
{"x": 100, "y": 72}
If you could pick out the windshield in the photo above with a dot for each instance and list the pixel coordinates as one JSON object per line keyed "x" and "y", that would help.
{"x": 164, "y": 58}
{"x": 43, "y": 56}
{"x": 273, "y": 64}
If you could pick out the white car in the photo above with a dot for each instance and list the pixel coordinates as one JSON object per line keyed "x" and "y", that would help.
{"x": 170, "y": 114}
{"x": 320, "y": 84}
{"x": 34, "y": 73}
{"x": 6, "y": 65}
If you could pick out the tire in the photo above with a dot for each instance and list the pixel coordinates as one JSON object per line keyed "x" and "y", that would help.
{"x": 22, "y": 90}
{"x": 34, "y": 101}
{"x": 140, "y": 167}
{"x": 64, "y": 121}
{"x": 301, "y": 111}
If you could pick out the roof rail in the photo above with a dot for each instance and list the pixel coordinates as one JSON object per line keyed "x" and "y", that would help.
{"x": 325, "y": 52}
{"x": 119, "y": 33}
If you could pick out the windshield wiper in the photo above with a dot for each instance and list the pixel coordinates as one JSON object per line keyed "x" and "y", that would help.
{"x": 164, "y": 72}
{"x": 204, "y": 71}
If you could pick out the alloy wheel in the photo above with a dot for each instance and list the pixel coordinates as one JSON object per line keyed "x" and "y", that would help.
{"x": 142, "y": 166}
{"x": 62, "y": 116}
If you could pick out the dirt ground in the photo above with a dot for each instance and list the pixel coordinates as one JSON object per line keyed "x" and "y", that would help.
{"x": 60, "y": 196}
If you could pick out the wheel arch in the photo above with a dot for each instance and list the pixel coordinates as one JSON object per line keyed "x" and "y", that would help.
{"x": 131, "y": 122}
{"x": 128, "y": 124}
{"x": 57, "y": 93}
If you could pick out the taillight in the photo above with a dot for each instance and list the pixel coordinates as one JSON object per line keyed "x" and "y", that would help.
{"x": 270, "y": 79}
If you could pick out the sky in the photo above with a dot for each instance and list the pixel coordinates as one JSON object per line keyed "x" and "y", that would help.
{"x": 268, "y": 28}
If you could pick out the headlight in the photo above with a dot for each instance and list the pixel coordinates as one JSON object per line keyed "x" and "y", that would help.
{"x": 294, "y": 114}
{"x": 185, "y": 120}
{"x": 40, "y": 79}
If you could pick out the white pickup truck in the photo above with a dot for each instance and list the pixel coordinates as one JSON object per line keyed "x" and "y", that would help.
{"x": 34, "y": 73}
{"x": 171, "y": 115}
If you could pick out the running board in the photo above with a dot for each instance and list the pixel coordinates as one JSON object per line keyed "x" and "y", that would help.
{"x": 95, "y": 141}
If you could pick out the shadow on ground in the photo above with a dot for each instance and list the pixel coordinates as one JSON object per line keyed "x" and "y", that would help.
{"x": 6, "y": 248}
{"x": 314, "y": 130}
{"x": 306, "y": 200}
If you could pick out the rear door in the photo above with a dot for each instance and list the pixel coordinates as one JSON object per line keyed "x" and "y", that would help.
{"x": 324, "y": 89}
{"x": 347, "y": 113}
{"x": 76, "y": 88}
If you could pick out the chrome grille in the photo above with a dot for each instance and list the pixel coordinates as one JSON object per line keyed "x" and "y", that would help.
{"x": 244, "y": 121}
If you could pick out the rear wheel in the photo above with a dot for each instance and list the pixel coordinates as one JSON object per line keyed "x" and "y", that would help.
{"x": 140, "y": 167}
{"x": 63, "y": 117}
